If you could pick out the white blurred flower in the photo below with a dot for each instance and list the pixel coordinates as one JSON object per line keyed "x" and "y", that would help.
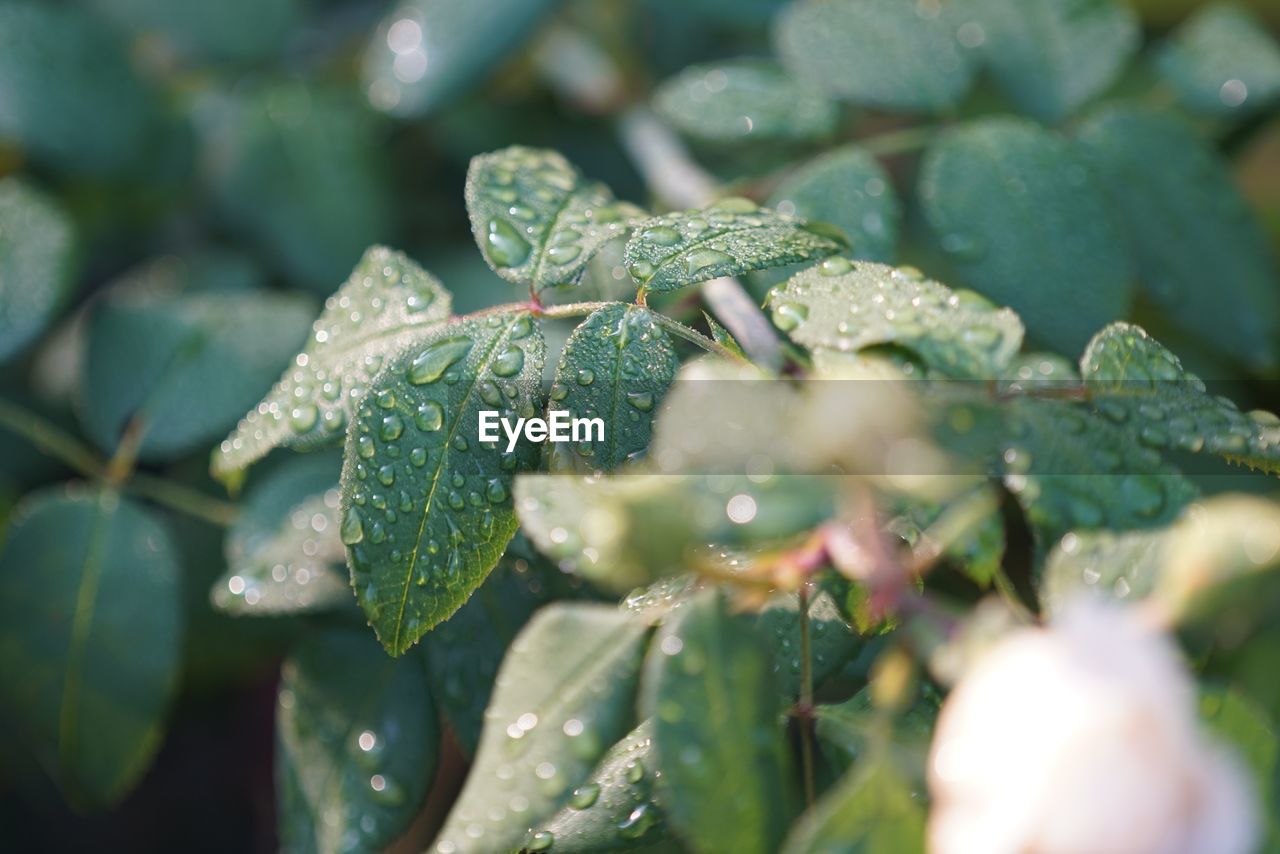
{"x": 1082, "y": 738}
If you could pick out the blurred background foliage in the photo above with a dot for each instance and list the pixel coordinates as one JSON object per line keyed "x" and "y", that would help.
{"x": 182, "y": 182}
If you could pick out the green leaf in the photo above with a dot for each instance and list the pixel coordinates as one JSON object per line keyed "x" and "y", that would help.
{"x": 857, "y": 732}
{"x": 1248, "y": 728}
{"x": 1071, "y": 469}
{"x": 283, "y": 551}
{"x": 848, "y": 188}
{"x": 563, "y": 696}
{"x": 426, "y": 504}
{"x": 62, "y": 73}
{"x": 463, "y": 652}
{"x": 1124, "y": 566}
{"x": 229, "y": 30}
{"x": 1022, "y": 220}
{"x": 426, "y": 52}
{"x": 536, "y": 219}
{"x": 976, "y": 547}
{"x": 181, "y": 367}
{"x": 1223, "y": 62}
{"x": 731, "y": 237}
{"x": 743, "y": 100}
{"x": 357, "y": 740}
{"x": 1051, "y": 56}
{"x": 628, "y": 531}
{"x": 1032, "y": 371}
{"x": 849, "y": 306}
{"x": 385, "y": 305}
{"x": 37, "y": 270}
{"x": 1201, "y": 253}
{"x": 615, "y": 809}
{"x": 723, "y": 336}
{"x": 832, "y": 640}
{"x": 90, "y": 626}
{"x": 1143, "y": 388}
{"x": 875, "y": 53}
{"x": 726, "y": 777}
{"x": 872, "y": 810}
{"x": 302, "y": 173}
{"x": 617, "y": 366}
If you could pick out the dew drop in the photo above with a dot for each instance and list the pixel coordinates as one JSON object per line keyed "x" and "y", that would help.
{"x": 506, "y": 247}
{"x": 431, "y": 363}
{"x": 509, "y": 362}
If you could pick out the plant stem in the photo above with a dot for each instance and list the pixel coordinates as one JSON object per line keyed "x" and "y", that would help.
{"x": 50, "y": 439}
{"x": 693, "y": 336}
{"x": 184, "y": 499}
{"x": 574, "y": 309}
{"x": 121, "y": 464}
{"x": 806, "y": 699}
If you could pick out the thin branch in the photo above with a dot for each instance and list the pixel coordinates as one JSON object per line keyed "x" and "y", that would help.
{"x": 50, "y": 439}
{"x": 806, "y": 699}
{"x": 183, "y": 499}
{"x": 693, "y": 336}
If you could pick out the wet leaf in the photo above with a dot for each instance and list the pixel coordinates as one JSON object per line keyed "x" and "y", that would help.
{"x": 1051, "y": 56}
{"x": 1022, "y": 220}
{"x": 301, "y": 172}
{"x": 731, "y": 237}
{"x": 848, "y": 188}
{"x": 1071, "y": 469}
{"x": 977, "y": 548}
{"x": 1223, "y": 62}
{"x": 832, "y": 640}
{"x": 426, "y": 504}
{"x": 563, "y": 696}
{"x": 463, "y": 652}
{"x": 181, "y": 367}
{"x": 357, "y": 741}
{"x": 631, "y": 530}
{"x": 871, "y": 810}
{"x": 90, "y": 648}
{"x": 1216, "y": 543}
{"x": 37, "y": 253}
{"x": 743, "y": 100}
{"x": 283, "y": 551}
{"x": 426, "y": 52}
{"x": 536, "y": 219}
{"x": 875, "y": 53}
{"x": 62, "y": 72}
{"x": 614, "y": 810}
{"x": 726, "y": 777}
{"x": 1032, "y": 371}
{"x": 616, "y": 366}
{"x": 1143, "y": 388}
{"x": 849, "y": 306}
{"x": 1200, "y": 250}
{"x": 385, "y": 305}
{"x": 723, "y": 336}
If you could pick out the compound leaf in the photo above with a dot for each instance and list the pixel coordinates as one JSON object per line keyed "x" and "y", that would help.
{"x": 426, "y": 504}
{"x": 1051, "y": 56}
{"x": 875, "y": 53}
{"x": 615, "y": 809}
{"x": 616, "y": 366}
{"x": 386, "y": 303}
{"x": 563, "y": 696}
{"x": 1201, "y": 253}
{"x": 1223, "y": 62}
{"x": 731, "y": 237}
{"x": 850, "y": 305}
{"x": 743, "y": 100}
{"x": 726, "y": 783}
{"x": 1071, "y": 469}
{"x": 90, "y": 643}
{"x": 536, "y": 219}
{"x": 357, "y": 740}
{"x": 1022, "y": 220}
{"x": 283, "y": 551}
{"x": 37, "y": 248}
{"x": 1137, "y": 383}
